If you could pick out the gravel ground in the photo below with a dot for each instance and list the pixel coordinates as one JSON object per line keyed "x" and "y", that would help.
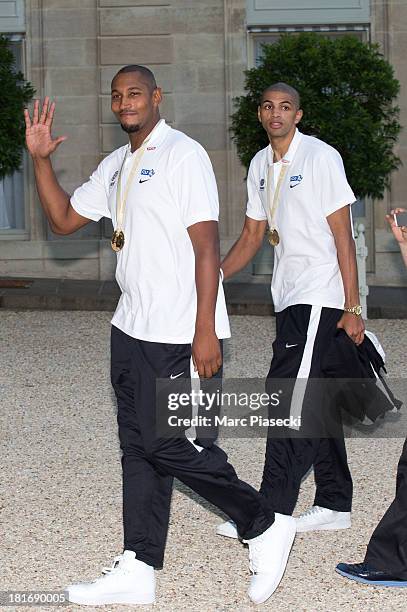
{"x": 61, "y": 485}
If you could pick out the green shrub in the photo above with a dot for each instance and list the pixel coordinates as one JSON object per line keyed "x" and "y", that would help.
{"x": 15, "y": 93}
{"x": 347, "y": 93}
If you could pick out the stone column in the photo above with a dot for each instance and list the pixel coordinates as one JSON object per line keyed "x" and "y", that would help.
{"x": 389, "y": 29}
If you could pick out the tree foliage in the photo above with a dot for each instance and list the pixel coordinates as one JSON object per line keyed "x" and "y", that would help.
{"x": 15, "y": 93}
{"x": 348, "y": 93}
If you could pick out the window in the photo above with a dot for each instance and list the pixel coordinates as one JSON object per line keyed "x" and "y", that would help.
{"x": 12, "y": 210}
{"x": 268, "y": 35}
{"x": 12, "y": 196}
{"x": 265, "y": 12}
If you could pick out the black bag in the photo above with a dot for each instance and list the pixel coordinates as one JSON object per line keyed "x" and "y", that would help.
{"x": 357, "y": 384}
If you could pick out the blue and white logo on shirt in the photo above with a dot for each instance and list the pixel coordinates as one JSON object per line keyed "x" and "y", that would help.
{"x": 146, "y": 172}
{"x": 262, "y": 182}
{"x": 295, "y": 180}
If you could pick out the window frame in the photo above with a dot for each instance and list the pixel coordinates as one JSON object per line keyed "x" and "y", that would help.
{"x": 255, "y": 32}
{"x": 22, "y": 233}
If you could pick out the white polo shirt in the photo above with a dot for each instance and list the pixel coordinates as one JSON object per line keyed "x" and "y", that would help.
{"x": 173, "y": 188}
{"x": 306, "y": 269}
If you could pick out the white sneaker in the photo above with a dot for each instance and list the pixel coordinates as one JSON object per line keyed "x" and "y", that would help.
{"x": 268, "y": 555}
{"x": 317, "y": 518}
{"x": 128, "y": 581}
{"x": 228, "y": 530}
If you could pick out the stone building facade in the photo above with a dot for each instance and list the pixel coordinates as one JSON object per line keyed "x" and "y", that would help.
{"x": 70, "y": 49}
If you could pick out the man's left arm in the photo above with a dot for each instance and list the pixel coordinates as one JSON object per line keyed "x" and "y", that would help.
{"x": 340, "y": 225}
{"x": 206, "y": 352}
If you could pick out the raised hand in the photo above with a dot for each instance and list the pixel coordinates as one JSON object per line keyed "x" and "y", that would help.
{"x": 38, "y": 131}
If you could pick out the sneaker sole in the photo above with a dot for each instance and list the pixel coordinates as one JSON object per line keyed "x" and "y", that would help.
{"x": 226, "y": 534}
{"x": 379, "y": 583}
{"x": 326, "y": 527}
{"x": 281, "y": 573}
{"x": 118, "y": 598}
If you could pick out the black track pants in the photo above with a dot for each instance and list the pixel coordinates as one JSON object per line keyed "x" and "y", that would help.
{"x": 387, "y": 549}
{"x": 150, "y": 462}
{"x": 304, "y": 334}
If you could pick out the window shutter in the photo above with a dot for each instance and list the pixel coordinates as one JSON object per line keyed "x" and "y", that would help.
{"x": 285, "y": 12}
{"x": 12, "y": 18}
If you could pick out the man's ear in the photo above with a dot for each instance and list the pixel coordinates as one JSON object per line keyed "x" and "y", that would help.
{"x": 298, "y": 116}
{"x": 157, "y": 96}
{"x": 258, "y": 114}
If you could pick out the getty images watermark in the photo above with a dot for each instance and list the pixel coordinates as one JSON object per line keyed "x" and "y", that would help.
{"x": 238, "y": 412}
{"x": 308, "y": 408}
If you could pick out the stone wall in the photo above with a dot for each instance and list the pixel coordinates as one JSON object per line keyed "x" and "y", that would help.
{"x": 389, "y": 29}
{"x": 61, "y": 61}
{"x": 74, "y": 47}
{"x": 198, "y": 51}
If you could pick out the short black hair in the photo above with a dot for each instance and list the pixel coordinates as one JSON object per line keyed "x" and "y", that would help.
{"x": 284, "y": 87}
{"x": 145, "y": 72}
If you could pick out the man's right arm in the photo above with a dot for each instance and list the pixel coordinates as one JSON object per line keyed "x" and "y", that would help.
{"x": 62, "y": 217}
{"x": 245, "y": 248}
{"x": 56, "y": 203}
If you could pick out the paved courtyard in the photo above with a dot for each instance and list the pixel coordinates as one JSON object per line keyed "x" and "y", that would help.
{"x": 60, "y": 500}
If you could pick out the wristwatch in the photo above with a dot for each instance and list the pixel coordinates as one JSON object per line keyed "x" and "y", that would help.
{"x": 356, "y": 310}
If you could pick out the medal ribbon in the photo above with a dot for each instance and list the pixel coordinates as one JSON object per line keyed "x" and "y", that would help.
{"x": 272, "y": 204}
{"x": 121, "y": 201}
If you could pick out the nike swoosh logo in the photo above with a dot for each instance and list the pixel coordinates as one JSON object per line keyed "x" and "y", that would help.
{"x": 290, "y": 345}
{"x": 145, "y": 180}
{"x": 292, "y": 186}
{"x": 172, "y": 376}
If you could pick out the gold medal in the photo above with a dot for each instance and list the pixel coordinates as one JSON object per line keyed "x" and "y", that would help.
{"x": 273, "y": 237}
{"x": 272, "y": 202}
{"x": 117, "y": 240}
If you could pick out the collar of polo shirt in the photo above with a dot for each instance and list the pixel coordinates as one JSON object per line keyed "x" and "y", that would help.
{"x": 155, "y": 135}
{"x": 289, "y": 156}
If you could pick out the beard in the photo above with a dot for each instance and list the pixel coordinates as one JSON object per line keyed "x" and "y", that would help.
{"x": 130, "y": 129}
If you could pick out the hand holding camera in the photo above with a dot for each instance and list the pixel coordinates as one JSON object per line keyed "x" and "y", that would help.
{"x": 398, "y": 223}
{"x": 397, "y": 220}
